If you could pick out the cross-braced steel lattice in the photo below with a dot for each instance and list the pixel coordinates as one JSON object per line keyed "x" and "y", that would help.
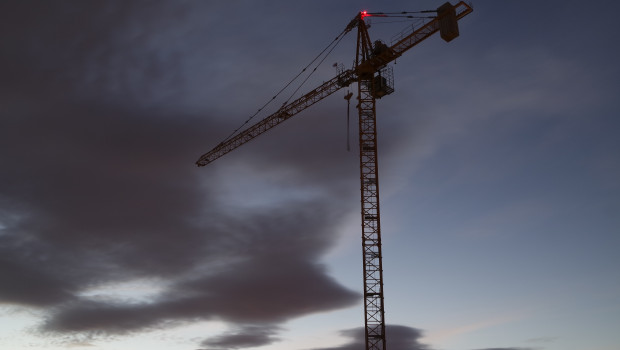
{"x": 369, "y": 184}
{"x": 371, "y": 220}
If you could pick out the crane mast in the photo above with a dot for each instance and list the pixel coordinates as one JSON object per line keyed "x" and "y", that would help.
{"x": 369, "y": 180}
{"x": 370, "y": 59}
{"x": 371, "y": 85}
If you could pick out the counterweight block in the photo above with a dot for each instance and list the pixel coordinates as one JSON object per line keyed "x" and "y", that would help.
{"x": 448, "y": 23}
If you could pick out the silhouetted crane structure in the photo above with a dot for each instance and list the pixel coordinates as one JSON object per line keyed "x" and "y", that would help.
{"x": 374, "y": 80}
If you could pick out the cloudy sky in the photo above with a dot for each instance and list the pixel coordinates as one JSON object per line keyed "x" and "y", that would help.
{"x": 499, "y": 161}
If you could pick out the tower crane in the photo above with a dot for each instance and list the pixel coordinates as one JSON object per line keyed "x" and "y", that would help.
{"x": 370, "y": 74}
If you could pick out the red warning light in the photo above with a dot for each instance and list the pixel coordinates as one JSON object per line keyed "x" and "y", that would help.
{"x": 364, "y": 14}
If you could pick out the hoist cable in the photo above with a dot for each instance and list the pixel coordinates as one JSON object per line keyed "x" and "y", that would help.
{"x": 314, "y": 70}
{"x": 334, "y": 43}
{"x": 348, "y": 124}
{"x": 402, "y": 16}
{"x": 400, "y": 13}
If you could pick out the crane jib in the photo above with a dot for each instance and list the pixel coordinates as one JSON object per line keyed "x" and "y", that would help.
{"x": 285, "y": 112}
{"x": 373, "y": 64}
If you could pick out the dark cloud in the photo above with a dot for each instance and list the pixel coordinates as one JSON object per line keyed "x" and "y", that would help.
{"x": 245, "y": 337}
{"x": 27, "y": 285}
{"x": 98, "y": 138}
{"x": 110, "y": 199}
{"x": 398, "y": 338}
{"x": 275, "y": 280}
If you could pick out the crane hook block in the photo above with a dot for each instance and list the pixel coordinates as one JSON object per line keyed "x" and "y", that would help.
{"x": 448, "y": 25}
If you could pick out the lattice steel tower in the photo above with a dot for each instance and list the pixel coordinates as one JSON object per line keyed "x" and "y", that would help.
{"x": 374, "y": 80}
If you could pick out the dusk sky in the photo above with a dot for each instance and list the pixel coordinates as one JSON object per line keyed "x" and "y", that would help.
{"x": 499, "y": 162}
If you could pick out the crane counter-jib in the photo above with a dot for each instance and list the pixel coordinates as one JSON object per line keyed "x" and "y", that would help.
{"x": 446, "y": 23}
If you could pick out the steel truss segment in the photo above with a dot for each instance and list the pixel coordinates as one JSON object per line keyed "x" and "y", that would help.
{"x": 285, "y": 112}
{"x": 371, "y": 220}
